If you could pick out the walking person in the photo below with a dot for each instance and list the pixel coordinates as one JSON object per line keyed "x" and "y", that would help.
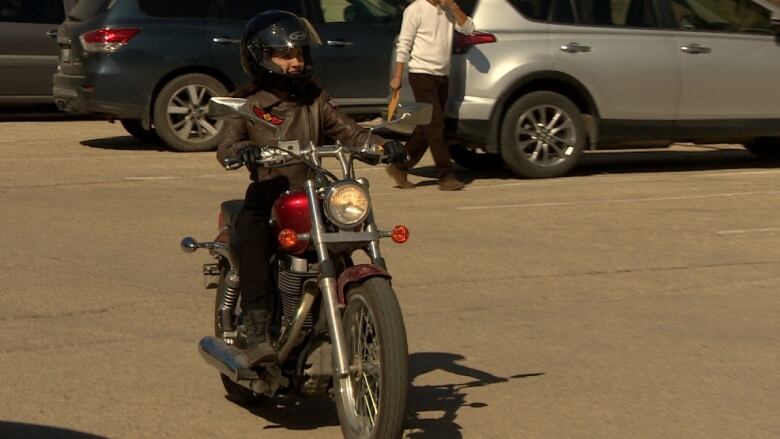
{"x": 425, "y": 43}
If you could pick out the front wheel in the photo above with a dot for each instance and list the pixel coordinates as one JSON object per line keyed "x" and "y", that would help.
{"x": 371, "y": 402}
{"x": 542, "y": 135}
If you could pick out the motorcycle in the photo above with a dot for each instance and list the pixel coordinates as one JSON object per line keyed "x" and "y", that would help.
{"x": 337, "y": 327}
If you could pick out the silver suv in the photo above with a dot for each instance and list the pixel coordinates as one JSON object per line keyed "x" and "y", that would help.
{"x": 546, "y": 79}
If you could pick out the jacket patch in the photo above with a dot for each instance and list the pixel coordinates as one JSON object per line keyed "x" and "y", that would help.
{"x": 268, "y": 117}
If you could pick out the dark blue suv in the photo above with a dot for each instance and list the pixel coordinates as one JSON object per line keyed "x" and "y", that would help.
{"x": 154, "y": 64}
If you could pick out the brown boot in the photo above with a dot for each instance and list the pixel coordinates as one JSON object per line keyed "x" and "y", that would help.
{"x": 258, "y": 349}
{"x": 399, "y": 177}
{"x": 450, "y": 183}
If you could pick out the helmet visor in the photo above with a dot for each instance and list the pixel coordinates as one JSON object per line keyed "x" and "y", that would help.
{"x": 289, "y": 33}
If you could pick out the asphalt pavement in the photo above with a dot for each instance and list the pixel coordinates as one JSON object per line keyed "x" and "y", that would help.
{"x": 635, "y": 298}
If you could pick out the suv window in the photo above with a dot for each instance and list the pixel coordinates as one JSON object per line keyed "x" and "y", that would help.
{"x": 721, "y": 15}
{"x": 619, "y": 13}
{"x": 534, "y": 9}
{"x": 175, "y": 8}
{"x": 362, "y": 11}
{"x": 243, "y": 10}
{"x": 86, "y": 9}
{"x": 26, "y": 11}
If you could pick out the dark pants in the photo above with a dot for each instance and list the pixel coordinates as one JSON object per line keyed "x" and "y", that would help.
{"x": 429, "y": 89}
{"x": 256, "y": 243}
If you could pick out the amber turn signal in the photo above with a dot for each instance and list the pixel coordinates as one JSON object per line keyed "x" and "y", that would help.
{"x": 288, "y": 238}
{"x": 400, "y": 234}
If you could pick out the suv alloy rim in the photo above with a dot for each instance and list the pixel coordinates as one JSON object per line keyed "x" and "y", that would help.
{"x": 546, "y": 135}
{"x": 187, "y": 113}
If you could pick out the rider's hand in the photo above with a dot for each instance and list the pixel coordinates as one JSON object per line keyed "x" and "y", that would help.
{"x": 394, "y": 152}
{"x": 249, "y": 155}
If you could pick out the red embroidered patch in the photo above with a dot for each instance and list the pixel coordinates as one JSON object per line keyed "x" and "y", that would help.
{"x": 268, "y": 117}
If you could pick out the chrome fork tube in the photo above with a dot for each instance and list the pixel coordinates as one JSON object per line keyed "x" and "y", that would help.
{"x": 328, "y": 285}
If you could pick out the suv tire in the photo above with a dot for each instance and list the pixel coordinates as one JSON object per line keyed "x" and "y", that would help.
{"x": 474, "y": 160}
{"x": 180, "y": 113}
{"x": 559, "y": 123}
{"x": 137, "y": 130}
{"x": 765, "y": 147}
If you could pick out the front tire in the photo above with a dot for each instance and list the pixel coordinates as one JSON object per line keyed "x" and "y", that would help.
{"x": 371, "y": 402}
{"x": 180, "y": 113}
{"x": 542, "y": 135}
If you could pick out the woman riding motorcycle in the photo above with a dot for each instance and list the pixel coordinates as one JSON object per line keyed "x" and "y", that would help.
{"x": 275, "y": 53}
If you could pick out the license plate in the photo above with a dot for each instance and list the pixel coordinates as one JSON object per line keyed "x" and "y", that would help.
{"x": 64, "y": 54}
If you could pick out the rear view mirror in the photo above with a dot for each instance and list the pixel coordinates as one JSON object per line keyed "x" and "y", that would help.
{"x": 237, "y": 108}
{"x": 411, "y": 115}
{"x": 226, "y": 108}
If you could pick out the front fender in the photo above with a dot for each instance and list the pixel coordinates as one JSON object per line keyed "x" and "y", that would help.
{"x": 358, "y": 273}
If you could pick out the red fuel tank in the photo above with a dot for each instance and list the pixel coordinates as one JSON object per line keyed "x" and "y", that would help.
{"x": 291, "y": 211}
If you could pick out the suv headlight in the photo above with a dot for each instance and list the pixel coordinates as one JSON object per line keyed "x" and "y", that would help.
{"x": 347, "y": 204}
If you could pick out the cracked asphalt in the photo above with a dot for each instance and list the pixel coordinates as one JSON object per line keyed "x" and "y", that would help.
{"x": 636, "y": 298}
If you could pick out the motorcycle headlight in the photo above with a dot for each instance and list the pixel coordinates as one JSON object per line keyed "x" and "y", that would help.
{"x": 347, "y": 204}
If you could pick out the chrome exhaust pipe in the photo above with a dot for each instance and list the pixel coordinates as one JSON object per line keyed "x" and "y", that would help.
{"x": 228, "y": 360}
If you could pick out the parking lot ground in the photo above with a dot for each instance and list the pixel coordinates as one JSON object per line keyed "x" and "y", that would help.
{"x": 635, "y": 298}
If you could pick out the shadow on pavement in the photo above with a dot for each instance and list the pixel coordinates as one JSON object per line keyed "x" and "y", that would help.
{"x": 296, "y": 413}
{"x": 124, "y": 143}
{"x": 37, "y": 113}
{"x": 627, "y": 162}
{"x": 446, "y": 399}
{"x": 619, "y": 162}
{"x": 13, "y": 430}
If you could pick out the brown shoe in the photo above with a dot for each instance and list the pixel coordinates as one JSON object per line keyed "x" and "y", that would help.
{"x": 450, "y": 183}
{"x": 399, "y": 177}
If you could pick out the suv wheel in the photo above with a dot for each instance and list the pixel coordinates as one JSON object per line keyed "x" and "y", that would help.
{"x": 473, "y": 159}
{"x": 767, "y": 147}
{"x": 542, "y": 135}
{"x": 180, "y": 113}
{"x": 137, "y": 130}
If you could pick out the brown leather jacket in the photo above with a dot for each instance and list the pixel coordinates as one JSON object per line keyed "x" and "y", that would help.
{"x": 311, "y": 119}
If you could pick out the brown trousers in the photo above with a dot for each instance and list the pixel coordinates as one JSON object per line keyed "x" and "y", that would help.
{"x": 429, "y": 89}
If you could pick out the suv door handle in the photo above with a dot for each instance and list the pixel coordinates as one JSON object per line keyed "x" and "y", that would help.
{"x": 226, "y": 40}
{"x": 575, "y": 48}
{"x": 339, "y": 43}
{"x": 695, "y": 48}
{"x": 52, "y": 34}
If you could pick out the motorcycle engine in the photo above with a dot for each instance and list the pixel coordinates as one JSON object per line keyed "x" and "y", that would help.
{"x": 292, "y": 274}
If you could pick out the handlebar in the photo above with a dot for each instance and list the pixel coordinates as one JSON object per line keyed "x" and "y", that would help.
{"x": 271, "y": 156}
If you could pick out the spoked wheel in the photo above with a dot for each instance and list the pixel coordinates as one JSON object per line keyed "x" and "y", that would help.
{"x": 371, "y": 401}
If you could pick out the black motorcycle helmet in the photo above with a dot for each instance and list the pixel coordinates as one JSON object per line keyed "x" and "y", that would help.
{"x": 272, "y": 31}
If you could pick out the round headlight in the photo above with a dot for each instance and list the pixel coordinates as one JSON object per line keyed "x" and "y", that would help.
{"x": 347, "y": 204}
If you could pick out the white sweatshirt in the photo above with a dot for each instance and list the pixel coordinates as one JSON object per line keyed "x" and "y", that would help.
{"x": 425, "y": 40}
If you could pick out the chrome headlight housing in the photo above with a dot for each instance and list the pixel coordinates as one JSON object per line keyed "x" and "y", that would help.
{"x": 347, "y": 204}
